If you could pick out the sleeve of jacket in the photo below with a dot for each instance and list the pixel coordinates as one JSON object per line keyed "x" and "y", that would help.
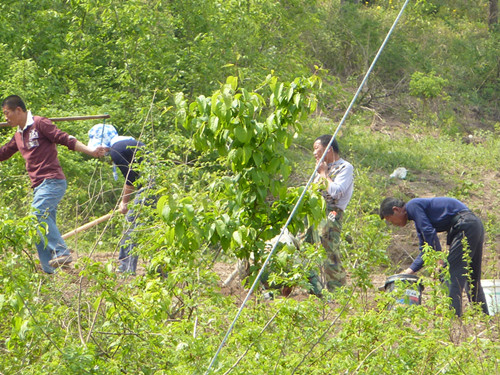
{"x": 9, "y": 149}
{"x": 426, "y": 234}
{"x": 55, "y": 135}
{"x": 418, "y": 263}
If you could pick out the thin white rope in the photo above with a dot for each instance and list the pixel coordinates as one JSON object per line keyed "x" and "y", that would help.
{"x": 292, "y": 214}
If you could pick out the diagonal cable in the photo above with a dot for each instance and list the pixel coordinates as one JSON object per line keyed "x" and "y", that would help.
{"x": 292, "y": 214}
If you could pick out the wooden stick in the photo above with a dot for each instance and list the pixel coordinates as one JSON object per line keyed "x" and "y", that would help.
{"x": 72, "y": 118}
{"x": 87, "y": 226}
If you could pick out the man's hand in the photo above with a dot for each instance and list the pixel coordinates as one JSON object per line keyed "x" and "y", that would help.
{"x": 96, "y": 152}
{"x": 100, "y": 151}
{"x": 323, "y": 169}
{"x": 408, "y": 271}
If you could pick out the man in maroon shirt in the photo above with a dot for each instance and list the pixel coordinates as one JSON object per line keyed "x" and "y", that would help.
{"x": 36, "y": 138}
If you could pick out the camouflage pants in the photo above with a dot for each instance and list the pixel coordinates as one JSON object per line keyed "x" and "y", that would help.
{"x": 328, "y": 233}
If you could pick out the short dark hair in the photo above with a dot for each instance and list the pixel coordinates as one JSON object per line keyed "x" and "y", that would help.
{"x": 325, "y": 140}
{"x": 14, "y": 101}
{"x": 387, "y": 205}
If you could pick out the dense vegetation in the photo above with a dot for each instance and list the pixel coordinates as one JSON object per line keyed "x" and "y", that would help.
{"x": 229, "y": 96}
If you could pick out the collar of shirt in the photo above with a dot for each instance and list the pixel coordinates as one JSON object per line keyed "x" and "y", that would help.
{"x": 29, "y": 121}
{"x": 119, "y": 138}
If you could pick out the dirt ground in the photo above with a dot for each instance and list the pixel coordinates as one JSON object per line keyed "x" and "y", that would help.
{"x": 403, "y": 248}
{"x": 233, "y": 288}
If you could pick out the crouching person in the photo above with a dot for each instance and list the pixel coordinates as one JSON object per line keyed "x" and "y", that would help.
{"x": 443, "y": 214}
{"x": 125, "y": 151}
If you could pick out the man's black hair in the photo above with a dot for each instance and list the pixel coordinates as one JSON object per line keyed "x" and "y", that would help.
{"x": 325, "y": 140}
{"x": 387, "y": 205}
{"x": 14, "y": 101}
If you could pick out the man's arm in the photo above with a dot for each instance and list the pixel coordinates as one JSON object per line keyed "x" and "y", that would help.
{"x": 56, "y": 135}
{"x": 418, "y": 262}
{"x": 7, "y": 150}
{"x": 425, "y": 231}
{"x": 97, "y": 152}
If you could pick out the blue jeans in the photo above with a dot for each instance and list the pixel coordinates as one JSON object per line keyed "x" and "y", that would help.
{"x": 47, "y": 196}
{"x": 128, "y": 262}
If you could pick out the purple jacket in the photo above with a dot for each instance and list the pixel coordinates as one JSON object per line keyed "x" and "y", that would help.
{"x": 37, "y": 145}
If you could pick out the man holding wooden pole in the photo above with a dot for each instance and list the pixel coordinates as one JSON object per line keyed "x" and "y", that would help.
{"x": 36, "y": 139}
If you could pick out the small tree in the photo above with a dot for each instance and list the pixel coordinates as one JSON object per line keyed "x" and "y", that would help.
{"x": 428, "y": 88}
{"x": 237, "y": 195}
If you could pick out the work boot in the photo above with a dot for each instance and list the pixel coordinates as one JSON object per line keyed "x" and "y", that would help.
{"x": 333, "y": 285}
{"x": 60, "y": 261}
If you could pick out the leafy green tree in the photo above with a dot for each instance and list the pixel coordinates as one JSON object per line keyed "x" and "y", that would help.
{"x": 237, "y": 196}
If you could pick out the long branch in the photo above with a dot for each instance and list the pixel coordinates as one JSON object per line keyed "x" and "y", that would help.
{"x": 72, "y": 118}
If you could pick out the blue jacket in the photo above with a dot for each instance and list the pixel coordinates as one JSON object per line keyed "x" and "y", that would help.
{"x": 431, "y": 215}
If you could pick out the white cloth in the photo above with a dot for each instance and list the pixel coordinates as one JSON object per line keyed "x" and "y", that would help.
{"x": 101, "y": 135}
{"x": 119, "y": 138}
{"x": 29, "y": 121}
{"x": 342, "y": 185}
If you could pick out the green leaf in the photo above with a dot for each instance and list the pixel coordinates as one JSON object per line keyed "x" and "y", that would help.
{"x": 233, "y": 82}
{"x": 220, "y": 226}
{"x": 280, "y": 93}
{"x": 237, "y": 237}
{"x": 188, "y": 212}
{"x": 161, "y": 202}
{"x": 202, "y": 104}
{"x": 290, "y": 93}
{"x": 165, "y": 213}
{"x": 97, "y": 302}
{"x": 179, "y": 230}
{"x": 241, "y": 133}
{"x": 257, "y": 157}
{"x": 247, "y": 154}
{"x": 213, "y": 123}
{"x": 170, "y": 235}
{"x": 296, "y": 100}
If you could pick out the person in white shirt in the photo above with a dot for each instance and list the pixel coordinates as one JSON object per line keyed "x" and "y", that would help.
{"x": 337, "y": 174}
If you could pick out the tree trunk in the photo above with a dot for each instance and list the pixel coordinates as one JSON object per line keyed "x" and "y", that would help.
{"x": 493, "y": 14}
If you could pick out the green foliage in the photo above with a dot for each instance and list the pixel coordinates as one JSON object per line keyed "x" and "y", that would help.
{"x": 229, "y": 166}
{"x": 365, "y": 252}
{"x": 427, "y": 86}
{"x": 465, "y": 189}
{"x": 243, "y": 135}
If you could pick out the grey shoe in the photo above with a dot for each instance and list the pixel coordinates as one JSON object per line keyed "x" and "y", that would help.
{"x": 122, "y": 272}
{"x": 60, "y": 261}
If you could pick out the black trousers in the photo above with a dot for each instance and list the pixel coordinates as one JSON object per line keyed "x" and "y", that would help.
{"x": 470, "y": 227}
